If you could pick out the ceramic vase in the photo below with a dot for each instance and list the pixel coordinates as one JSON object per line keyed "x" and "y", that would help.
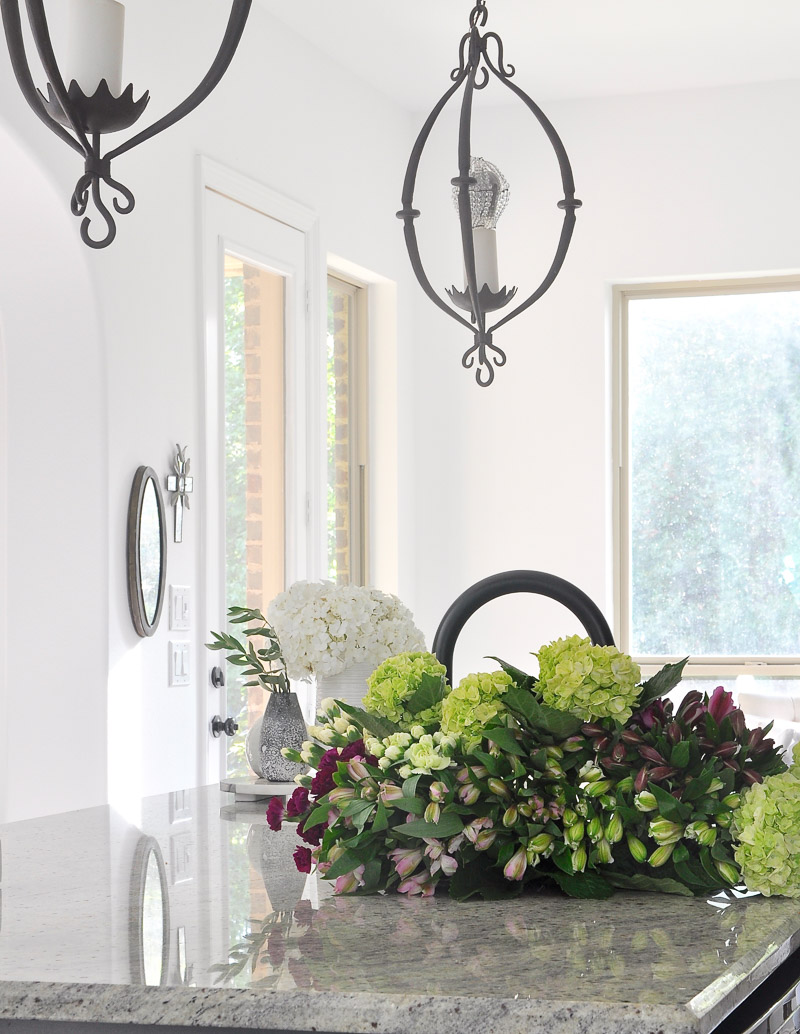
{"x": 349, "y": 685}
{"x": 281, "y": 725}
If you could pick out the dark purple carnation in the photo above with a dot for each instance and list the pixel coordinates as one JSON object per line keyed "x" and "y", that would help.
{"x": 302, "y": 859}
{"x": 275, "y": 814}
{"x": 297, "y": 803}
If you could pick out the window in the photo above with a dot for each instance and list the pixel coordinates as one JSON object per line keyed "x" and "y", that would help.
{"x": 346, "y": 433}
{"x": 708, "y": 444}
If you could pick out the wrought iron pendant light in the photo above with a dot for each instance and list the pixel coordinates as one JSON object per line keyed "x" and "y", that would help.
{"x": 81, "y": 118}
{"x": 481, "y": 192}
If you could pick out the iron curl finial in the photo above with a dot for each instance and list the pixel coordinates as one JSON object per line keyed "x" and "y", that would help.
{"x": 479, "y": 15}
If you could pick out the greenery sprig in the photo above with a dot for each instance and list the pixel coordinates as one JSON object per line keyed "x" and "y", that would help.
{"x": 264, "y": 666}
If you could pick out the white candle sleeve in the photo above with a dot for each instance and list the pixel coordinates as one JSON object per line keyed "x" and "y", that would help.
{"x": 94, "y": 42}
{"x": 485, "y": 242}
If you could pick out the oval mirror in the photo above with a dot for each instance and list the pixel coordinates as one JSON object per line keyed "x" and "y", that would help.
{"x": 147, "y": 551}
{"x": 149, "y": 920}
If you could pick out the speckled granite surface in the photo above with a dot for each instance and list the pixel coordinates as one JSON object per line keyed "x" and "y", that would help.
{"x": 246, "y": 942}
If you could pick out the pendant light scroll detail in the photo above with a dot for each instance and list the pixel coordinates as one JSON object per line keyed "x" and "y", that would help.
{"x": 480, "y": 193}
{"x": 81, "y": 118}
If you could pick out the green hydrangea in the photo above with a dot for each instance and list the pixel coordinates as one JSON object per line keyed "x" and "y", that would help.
{"x": 588, "y": 681}
{"x": 767, "y": 826}
{"x": 395, "y": 681}
{"x": 469, "y": 707}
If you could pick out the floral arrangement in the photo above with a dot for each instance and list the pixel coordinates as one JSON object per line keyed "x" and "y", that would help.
{"x": 585, "y": 778}
{"x": 325, "y": 628}
{"x": 263, "y": 666}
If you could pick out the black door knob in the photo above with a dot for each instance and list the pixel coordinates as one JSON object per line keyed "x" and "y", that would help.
{"x": 217, "y": 678}
{"x": 226, "y": 725}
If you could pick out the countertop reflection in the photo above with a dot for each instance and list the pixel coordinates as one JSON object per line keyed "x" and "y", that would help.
{"x": 198, "y": 898}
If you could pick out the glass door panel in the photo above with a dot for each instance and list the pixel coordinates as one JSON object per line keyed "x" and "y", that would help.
{"x": 255, "y": 504}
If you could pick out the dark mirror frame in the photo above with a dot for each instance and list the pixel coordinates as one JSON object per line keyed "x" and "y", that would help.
{"x": 146, "y": 847}
{"x": 135, "y": 593}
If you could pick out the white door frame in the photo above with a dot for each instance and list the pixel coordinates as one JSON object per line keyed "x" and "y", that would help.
{"x": 4, "y": 687}
{"x": 305, "y": 445}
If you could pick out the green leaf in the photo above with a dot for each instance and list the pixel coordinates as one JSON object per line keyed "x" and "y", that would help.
{"x": 562, "y": 857}
{"x": 381, "y": 821}
{"x": 662, "y": 682}
{"x": 506, "y": 740}
{"x": 372, "y": 876}
{"x": 410, "y": 785}
{"x": 521, "y": 701}
{"x": 479, "y": 877}
{"x": 359, "y": 811}
{"x": 583, "y": 885}
{"x": 489, "y": 761}
{"x": 379, "y": 727}
{"x": 668, "y": 806}
{"x": 521, "y": 679}
{"x": 344, "y": 864}
{"x": 414, "y": 805}
{"x": 318, "y": 815}
{"x": 447, "y": 826}
{"x": 680, "y": 754}
{"x": 697, "y": 787}
{"x": 431, "y": 691}
{"x": 665, "y": 885}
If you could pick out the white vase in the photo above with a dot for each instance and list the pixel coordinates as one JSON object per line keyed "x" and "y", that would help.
{"x": 349, "y": 685}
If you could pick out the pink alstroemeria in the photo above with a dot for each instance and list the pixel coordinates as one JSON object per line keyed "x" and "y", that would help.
{"x": 472, "y": 830}
{"x": 516, "y": 865}
{"x": 390, "y": 792}
{"x": 350, "y": 881}
{"x": 721, "y": 704}
{"x": 420, "y": 884}
{"x": 357, "y": 770}
{"x": 406, "y": 859}
{"x": 485, "y": 839}
{"x": 448, "y": 865}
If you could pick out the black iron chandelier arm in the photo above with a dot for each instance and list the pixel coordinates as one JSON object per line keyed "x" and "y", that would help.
{"x": 44, "y": 46}
{"x": 464, "y": 181}
{"x": 233, "y": 34}
{"x": 16, "y": 47}
{"x": 416, "y": 262}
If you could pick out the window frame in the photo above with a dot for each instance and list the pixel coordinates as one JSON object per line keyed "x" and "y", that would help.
{"x": 622, "y": 294}
{"x": 358, "y": 411}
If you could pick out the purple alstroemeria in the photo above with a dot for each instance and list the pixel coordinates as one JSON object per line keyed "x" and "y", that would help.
{"x": 721, "y": 704}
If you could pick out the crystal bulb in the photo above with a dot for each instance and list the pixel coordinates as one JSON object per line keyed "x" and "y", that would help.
{"x": 488, "y": 196}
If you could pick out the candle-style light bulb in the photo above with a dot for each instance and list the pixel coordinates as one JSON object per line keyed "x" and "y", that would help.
{"x": 93, "y": 46}
{"x": 488, "y": 199}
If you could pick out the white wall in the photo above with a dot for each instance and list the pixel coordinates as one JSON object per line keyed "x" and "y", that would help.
{"x": 517, "y": 475}
{"x": 682, "y": 184}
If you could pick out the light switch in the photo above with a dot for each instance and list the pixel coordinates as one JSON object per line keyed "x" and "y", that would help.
{"x": 179, "y": 664}
{"x": 180, "y": 616}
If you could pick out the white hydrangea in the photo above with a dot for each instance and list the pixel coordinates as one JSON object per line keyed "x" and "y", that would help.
{"x": 325, "y": 628}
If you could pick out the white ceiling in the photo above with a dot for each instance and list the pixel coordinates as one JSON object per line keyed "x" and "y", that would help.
{"x": 580, "y": 48}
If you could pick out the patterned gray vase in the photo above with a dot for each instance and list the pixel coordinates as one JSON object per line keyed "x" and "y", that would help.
{"x": 281, "y": 725}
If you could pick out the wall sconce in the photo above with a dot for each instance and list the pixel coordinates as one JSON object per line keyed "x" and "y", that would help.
{"x": 94, "y": 103}
{"x": 481, "y": 193}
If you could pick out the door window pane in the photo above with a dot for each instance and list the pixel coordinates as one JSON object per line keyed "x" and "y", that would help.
{"x": 715, "y": 474}
{"x": 254, "y": 463}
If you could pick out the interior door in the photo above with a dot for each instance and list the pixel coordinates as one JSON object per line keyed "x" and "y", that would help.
{"x": 256, "y": 448}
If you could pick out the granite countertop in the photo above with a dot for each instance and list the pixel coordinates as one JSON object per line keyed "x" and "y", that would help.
{"x": 83, "y": 937}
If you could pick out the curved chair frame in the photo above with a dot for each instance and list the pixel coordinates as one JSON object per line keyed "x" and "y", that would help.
{"x": 506, "y": 583}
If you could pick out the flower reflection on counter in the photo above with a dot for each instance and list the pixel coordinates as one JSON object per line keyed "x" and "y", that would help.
{"x": 633, "y": 949}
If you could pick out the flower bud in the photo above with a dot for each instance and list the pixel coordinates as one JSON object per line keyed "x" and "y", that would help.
{"x": 694, "y": 829}
{"x": 404, "y": 771}
{"x": 637, "y": 849}
{"x": 618, "y": 752}
{"x": 604, "y": 855}
{"x": 390, "y": 792}
{"x": 433, "y": 812}
{"x": 438, "y": 791}
{"x": 598, "y": 788}
{"x": 340, "y": 724}
{"x": 707, "y": 838}
{"x": 469, "y": 794}
{"x": 554, "y": 752}
{"x": 661, "y": 855}
{"x": 573, "y": 835}
{"x": 516, "y": 865}
{"x": 607, "y": 803}
{"x": 733, "y": 800}
{"x": 589, "y": 772}
{"x": 570, "y": 817}
{"x": 485, "y": 839}
{"x": 339, "y": 794}
{"x": 674, "y": 733}
{"x": 728, "y": 871}
{"x": 614, "y": 829}
{"x": 645, "y": 801}
{"x": 595, "y": 829}
{"x": 498, "y": 787}
{"x": 573, "y": 744}
{"x": 553, "y": 770}
{"x": 357, "y": 770}
{"x": 417, "y": 732}
{"x": 369, "y": 791}
{"x": 724, "y": 819}
{"x": 393, "y": 753}
{"x": 665, "y": 832}
{"x": 384, "y": 764}
{"x": 716, "y": 784}
{"x": 631, "y": 737}
{"x": 579, "y": 859}
{"x": 539, "y": 844}
{"x": 510, "y": 816}
{"x": 328, "y": 706}
{"x": 640, "y": 782}
{"x": 624, "y": 785}
{"x": 526, "y": 810}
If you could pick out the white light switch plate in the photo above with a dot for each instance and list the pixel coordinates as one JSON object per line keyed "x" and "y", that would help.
{"x": 180, "y": 608}
{"x": 179, "y": 663}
